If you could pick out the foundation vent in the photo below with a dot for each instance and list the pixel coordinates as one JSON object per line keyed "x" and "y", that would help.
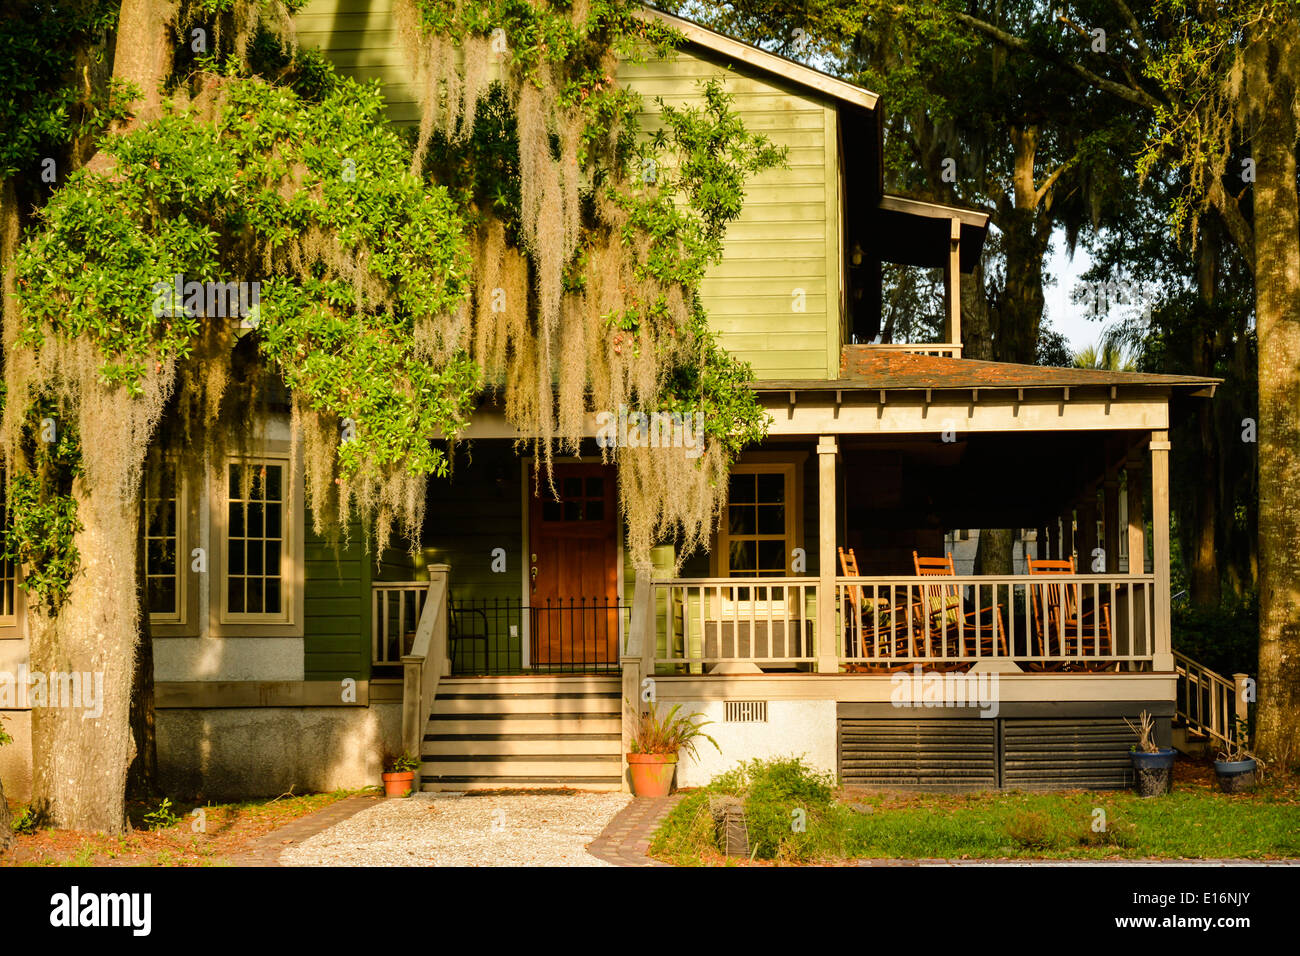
{"x": 745, "y": 711}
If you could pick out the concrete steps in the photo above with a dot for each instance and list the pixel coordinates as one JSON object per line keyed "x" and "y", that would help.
{"x": 522, "y": 732}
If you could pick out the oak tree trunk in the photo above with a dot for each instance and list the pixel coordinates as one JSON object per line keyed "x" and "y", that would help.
{"x": 79, "y": 758}
{"x": 1273, "y": 78}
{"x": 80, "y": 754}
{"x": 1205, "y": 574}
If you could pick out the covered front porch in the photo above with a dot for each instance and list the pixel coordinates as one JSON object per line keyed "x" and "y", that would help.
{"x": 859, "y": 577}
{"x": 828, "y": 585}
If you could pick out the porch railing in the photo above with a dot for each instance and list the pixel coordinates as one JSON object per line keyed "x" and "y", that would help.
{"x": 941, "y": 349}
{"x": 1077, "y": 621}
{"x": 1207, "y": 702}
{"x": 762, "y": 621}
{"x": 506, "y": 636}
{"x": 395, "y": 609}
{"x": 1080, "y": 622}
{"x": 425, "y": 663}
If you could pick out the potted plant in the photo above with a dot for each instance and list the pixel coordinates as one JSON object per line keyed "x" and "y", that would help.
{"x": 399, "y": 774}
{"x": 1153, "y": 765}
{"x": 1236, "y": 766}
{"x": 656, "y": 742}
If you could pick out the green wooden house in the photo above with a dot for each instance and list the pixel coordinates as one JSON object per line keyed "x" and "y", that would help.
{"x": 514, "y": 647}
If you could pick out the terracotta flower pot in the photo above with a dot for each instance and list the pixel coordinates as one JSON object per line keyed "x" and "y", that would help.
{"x": 652, "y": 774}
{"x": 399, "y": 784}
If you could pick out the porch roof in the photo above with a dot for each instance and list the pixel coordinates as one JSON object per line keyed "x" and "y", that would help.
{"x": 863, "y": 367}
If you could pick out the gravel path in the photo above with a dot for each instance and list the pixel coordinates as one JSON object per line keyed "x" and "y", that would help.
{"x": 516, "y": 829}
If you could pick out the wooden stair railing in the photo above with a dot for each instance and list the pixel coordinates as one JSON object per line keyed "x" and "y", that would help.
{"x": 427, "y": 663}
{"x": 1207, "y": 702}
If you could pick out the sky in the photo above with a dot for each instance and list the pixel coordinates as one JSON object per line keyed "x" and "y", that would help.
{"x": 1068, "y": 317}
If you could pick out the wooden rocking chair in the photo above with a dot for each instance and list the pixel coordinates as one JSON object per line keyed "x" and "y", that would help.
{"x": 1063, "y": 618}
{"x": 884, "y": 625}
{"x": 944, "y": 609}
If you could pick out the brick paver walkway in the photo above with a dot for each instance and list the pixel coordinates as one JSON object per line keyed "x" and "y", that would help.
{"x": 626, "y": 838}
{"x": 266, "y": 849}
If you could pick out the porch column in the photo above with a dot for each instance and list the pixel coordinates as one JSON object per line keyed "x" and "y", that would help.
{"x": 1137, "y": 528}
{"x": 1041, "y": 543}
{"x": 1087, "y": 531}
{"x": 1164, "y": 657}
{"x": 828, "y": 638}
{"x": 952, "y": 285}
{"x": 1110, "y": 518}
{"x": 637, "y": 661}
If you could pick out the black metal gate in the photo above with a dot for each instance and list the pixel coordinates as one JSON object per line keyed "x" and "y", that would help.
{"x": 578, "y": 636}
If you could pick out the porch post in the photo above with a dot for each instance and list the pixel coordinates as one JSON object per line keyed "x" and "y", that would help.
{"x": 1041, "y": 542}
{"x": 1110, "y": 518}
{"x": 828, "y": 640}
{"x": 637, "y": 660}
{"x": 952, "y": 285}
{"x": 1137, "y": 528}
{"x": 1164, "y": 657}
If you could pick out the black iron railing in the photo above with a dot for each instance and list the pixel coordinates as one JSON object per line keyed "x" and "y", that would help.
{"x": 572, "y": 636}
{"x": 578, "y": 635}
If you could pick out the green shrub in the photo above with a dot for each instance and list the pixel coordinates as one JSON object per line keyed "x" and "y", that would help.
{"x": 25, "y": 821}
{"x": 790, "y": 813}
{"x": 1034, "y": 831}
{"x": 162, "y": 816}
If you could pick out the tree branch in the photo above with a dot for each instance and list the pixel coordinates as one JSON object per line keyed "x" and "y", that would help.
{"x": 1137, "y": 96}
{"x": 1233, "y": 220}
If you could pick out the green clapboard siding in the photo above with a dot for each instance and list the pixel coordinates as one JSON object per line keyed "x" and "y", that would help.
{"x": 474, "y": 511}
{"x": 336, "y": 607}
{"x": 775, "y": 297}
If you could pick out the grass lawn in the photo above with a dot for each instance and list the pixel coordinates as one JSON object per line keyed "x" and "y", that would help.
{"x": 226, "y": 829}
{"x": 1196, "y": 821}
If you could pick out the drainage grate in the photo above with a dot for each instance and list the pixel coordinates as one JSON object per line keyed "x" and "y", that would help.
{"x": 745, "y": 711}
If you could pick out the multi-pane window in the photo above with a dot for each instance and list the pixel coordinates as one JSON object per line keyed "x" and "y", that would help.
{"x": 758, "y": 523}
{"x": 255, "y": 539}
{"x": 582, "y": 498}
{"x": 162, "y": 563}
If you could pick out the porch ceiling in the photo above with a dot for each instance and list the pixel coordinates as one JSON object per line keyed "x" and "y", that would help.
{"x": 992, "y": 480}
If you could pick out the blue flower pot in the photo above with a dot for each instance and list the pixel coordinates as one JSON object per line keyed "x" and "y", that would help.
{"x": 1236, "y": 776}
{"x": 1153, "y": 773}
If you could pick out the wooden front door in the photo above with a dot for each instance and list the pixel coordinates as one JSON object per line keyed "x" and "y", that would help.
{"x": 573, "y": 569}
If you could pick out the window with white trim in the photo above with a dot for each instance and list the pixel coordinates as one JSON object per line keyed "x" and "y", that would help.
{"x": 757, "y": 535}
{"x": 163, "y": 534}
{"x": 256, "y": 541}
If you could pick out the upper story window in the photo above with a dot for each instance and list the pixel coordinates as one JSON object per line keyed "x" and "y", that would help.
{"x": 256, "y": 541}
{"x": 757, "y": 538}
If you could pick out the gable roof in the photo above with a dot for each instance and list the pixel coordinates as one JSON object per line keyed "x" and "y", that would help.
{"x": 760, "y": 59}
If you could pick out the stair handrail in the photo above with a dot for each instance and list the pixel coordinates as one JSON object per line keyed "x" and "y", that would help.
{"x": 427, "y": 662}
{"x": 1226, "y": 703}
